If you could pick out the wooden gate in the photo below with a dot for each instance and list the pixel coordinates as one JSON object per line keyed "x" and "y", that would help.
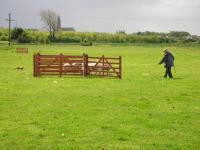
{"x": 104, "y": 66}
{"x": 76, "y": 65}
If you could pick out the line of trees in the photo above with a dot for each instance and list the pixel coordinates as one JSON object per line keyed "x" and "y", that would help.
{"x": 34, "y": 36}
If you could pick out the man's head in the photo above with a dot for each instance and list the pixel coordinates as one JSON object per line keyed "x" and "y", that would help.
{"x": 165, "y": 50}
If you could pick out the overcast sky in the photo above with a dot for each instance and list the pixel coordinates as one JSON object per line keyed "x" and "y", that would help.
{"x": 108, "y": 15}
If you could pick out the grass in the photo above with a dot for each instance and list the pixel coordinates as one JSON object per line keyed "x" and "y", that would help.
{"x": 142, "y": 111}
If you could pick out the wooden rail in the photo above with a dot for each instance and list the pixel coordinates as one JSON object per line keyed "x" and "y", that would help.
{"x": 21, "y": 50}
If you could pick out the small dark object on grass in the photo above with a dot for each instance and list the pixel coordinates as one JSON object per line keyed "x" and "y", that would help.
{"x": 19, "y": 68}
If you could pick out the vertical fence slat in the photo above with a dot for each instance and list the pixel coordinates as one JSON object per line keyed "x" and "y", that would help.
{"x": 83, "y": 65}
{"x": 120, "y": 67}
{"x": 103, "y": 65}
{"x": 37, "y": 64}
{"x": 86, "y": 65}
{"x": 34, "y": 66}
{"x": 61, "y": 64}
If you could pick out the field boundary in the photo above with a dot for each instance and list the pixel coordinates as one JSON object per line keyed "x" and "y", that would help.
{"x": 71, "y": 65}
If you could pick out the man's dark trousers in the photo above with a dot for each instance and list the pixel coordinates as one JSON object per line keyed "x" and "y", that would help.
{"x": 168, "y": 72}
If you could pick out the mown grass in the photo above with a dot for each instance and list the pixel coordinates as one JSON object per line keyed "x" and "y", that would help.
{"x": 141, "y": 111}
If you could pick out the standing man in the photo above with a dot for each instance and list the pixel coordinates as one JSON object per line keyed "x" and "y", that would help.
{"x": 168, "y": 61}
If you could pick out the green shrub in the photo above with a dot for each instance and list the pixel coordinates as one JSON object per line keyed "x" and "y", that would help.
{"x": 24, "y": 38}
{"x": 3, "y": 38}
{"x": 188, "y": 40}
{"x": 85, "y": 42}
{"x": 44, "y": 40}
{"x": 67, "y": 39}
{"x": 16, "y": 33}
{"x": 3, "y": 34}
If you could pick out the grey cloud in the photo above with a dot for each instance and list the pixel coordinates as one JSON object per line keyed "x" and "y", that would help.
{"x": 108, "y": 15}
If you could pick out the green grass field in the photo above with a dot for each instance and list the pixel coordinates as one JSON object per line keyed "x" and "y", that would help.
{"x": 142, "y": 111}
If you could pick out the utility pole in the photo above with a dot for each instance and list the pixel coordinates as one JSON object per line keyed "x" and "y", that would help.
{"x": 9, "y": 24}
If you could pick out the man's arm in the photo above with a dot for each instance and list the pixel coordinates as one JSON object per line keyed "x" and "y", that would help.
{"x": 163, "y": 59}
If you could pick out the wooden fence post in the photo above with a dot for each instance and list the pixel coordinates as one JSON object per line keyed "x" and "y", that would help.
{"x": 86, "y": 64}
{"x": 34, "y": 66}
{"x": 61, "y": 65}
{"x": 103, "y": 64}
{"x": 120, "y": 67}
{"x": 37, "y": 64}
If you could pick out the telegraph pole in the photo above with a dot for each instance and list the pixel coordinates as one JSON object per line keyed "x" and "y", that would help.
{"x": 9, "y": 25}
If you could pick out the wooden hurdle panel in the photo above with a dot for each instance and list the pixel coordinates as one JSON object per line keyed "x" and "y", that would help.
{"x": 73, "y": 65}
{"x": 104, "y": 66}
{"x": 46, "y": 65}
{"x": 58, "y": 65}
{"x": 21, "y": 50}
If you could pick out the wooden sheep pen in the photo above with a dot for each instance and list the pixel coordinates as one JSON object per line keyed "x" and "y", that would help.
{"x": 63, "y": 65}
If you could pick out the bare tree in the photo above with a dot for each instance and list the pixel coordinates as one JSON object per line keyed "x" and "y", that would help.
{"x": 49, "y": 18}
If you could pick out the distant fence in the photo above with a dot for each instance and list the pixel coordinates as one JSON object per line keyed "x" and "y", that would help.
{"x": 21, "y": 50}
{"x": 83, "y": 65}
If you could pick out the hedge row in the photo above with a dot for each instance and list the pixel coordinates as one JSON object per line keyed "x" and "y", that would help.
{"x": 30, "y": 36}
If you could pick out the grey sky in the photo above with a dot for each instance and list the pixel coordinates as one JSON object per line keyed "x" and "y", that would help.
{"x": 108, "y": 15}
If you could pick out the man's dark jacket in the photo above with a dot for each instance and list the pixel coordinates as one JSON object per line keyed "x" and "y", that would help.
{"x": 168, "y": 60}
